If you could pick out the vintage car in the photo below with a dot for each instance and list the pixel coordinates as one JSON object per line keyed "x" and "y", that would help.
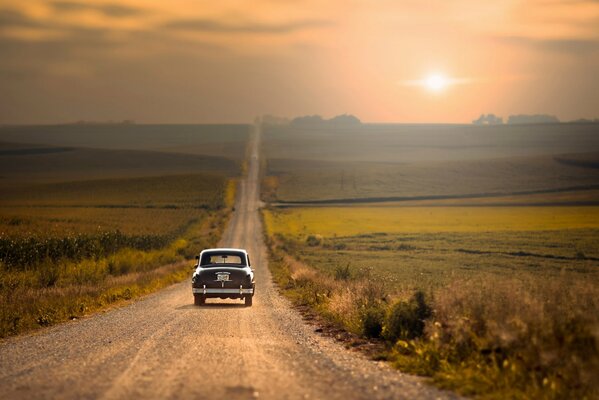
{"x": 223, "y": 273}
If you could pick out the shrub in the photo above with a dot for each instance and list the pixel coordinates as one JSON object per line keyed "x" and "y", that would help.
{"x": 48, "y": 274}
{"x": 314, "y": 240}
{"x": 342, "y": 273}
{"x": 372, "y": 322}
{"x": 406, "y": 319}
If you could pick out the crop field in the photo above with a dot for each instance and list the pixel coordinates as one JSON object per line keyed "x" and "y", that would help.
{"x": 427, "y": 142}
{"x": 96, "y": 214}
{"x": 402, "y": 162}
{"x": 226, "y": 141}
{"x": 171, "y": 191}
{"x": 474, "y": 279}
{"x": 348, "y": 221}
{"x": 25, "y": 165}
{"x": 70, "y": 248}
{"x": 427, "y": 247}
{"x": 314, "y": 181}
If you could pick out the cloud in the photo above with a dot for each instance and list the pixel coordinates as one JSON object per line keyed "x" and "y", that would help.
{"x": 578, "y": 47}
{"x": 215, "y": 26}
{"x": 11, "y": 18}
{"x": 19, "y": 28}
{"x": 111, "y": 10}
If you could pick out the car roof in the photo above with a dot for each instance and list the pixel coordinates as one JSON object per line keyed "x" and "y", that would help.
{"x": 224, "y": 249}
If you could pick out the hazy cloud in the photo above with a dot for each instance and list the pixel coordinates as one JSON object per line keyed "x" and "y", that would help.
{"x": 191, "y": 60}
{"x": 578, "y": 47}
{"x": 12, "y": 18}
{"x": 212, "y": 25}
{"x": 111, "y": 10}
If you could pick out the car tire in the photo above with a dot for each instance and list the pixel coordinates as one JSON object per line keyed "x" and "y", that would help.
{"x": 199, "y": 300}
{"x": 248, "y": 301}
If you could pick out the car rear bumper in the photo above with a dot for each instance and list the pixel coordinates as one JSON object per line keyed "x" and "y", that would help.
{"x": 224, "y": 291}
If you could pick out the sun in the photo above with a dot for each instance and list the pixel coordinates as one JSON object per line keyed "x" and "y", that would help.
{"x": 436, "y": 82}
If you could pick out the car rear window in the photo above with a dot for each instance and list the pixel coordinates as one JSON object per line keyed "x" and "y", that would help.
{"x": 216, "y": 259}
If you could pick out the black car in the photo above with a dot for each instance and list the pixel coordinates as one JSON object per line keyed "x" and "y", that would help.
{"x": 223, "y": 273}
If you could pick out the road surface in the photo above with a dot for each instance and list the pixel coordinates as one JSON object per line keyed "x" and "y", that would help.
{"x": 163, "y": 346}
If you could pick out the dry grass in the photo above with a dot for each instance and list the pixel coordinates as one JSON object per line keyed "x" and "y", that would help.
{"x": 53, "y": 292}
{"x": 79, "y": 246}
{"x": 505, "y": 311}
{"x": 64, "y": 221}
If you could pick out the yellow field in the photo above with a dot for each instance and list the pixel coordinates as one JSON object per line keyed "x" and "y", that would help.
{"x": 346, "y": 221}
{"x": 65, "y": 221}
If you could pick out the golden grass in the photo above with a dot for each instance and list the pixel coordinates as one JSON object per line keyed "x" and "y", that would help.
{"x": 52, "y": 293}
{"x": 230, "y": 192}
{"x": 64, "y": 221}
{"x": 511, "y": 291}
{"x": 134, "y": 206}
{"x": 347, "y": 221}
{"x": 73, "y": 231}
{"x": 190, "y": 190}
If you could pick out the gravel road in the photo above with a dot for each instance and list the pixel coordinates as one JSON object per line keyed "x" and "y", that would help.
{"x": 163, "y": 346}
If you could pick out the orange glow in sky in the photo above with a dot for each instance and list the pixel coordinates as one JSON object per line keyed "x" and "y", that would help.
{"x": 228, "y": 61}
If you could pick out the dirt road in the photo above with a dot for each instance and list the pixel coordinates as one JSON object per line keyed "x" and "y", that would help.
{"x": 164, "y": 347}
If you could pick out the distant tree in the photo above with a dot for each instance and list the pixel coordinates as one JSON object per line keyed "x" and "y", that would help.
{"x": 308, "y": 120}
{"x": 532, "y": 119}
{"x": 584, "y": 121}
{"x": 317, "y": 121}
{"x": 344, "y": 120}
{"x": 489, "y": 119}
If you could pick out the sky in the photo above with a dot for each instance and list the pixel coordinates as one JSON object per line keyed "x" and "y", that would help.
{"x": 196, "y": 61}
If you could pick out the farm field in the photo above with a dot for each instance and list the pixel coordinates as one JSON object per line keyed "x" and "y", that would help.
{"x": 403, "y": 163}
{"x": 22, "y": 164}
{"x": 470, "y": 252}
{"x": 226, "y": 141}
{"x": 427, "y": 142}
{"x": 203, "y": 190}
{"x": 84, "y": 227}
{"x": 480, "y": 277}
{"x": 319, "y": 181}
{"x": 348, "y": 221}
{"x": 69, "y": 248}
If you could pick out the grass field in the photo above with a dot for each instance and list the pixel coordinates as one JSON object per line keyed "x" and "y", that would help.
{"x": 67, "y": 249}
{"x": 490, "y": 301}
{"x": 400, "y": 162}
{"x": 427, "y": 142}
{"x": 91, "y": 215}
{"x": 226, "y": 141}
{"x": 202, "y": 190}
{"x": 349, "y": 181}
{"x": 59, "y": 165}
{"x": 348, "y": 221}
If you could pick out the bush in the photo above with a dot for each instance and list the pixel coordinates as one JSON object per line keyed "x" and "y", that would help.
{"x": 314, "y": 240}
{"x": 342, "y": 273}
{"x": 372, "y": 322}
{"x": 406, "y": 319}
{"x": 48, "y": 275}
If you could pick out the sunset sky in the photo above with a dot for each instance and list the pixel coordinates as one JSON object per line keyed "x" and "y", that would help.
{"x": 230, "y": 60}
